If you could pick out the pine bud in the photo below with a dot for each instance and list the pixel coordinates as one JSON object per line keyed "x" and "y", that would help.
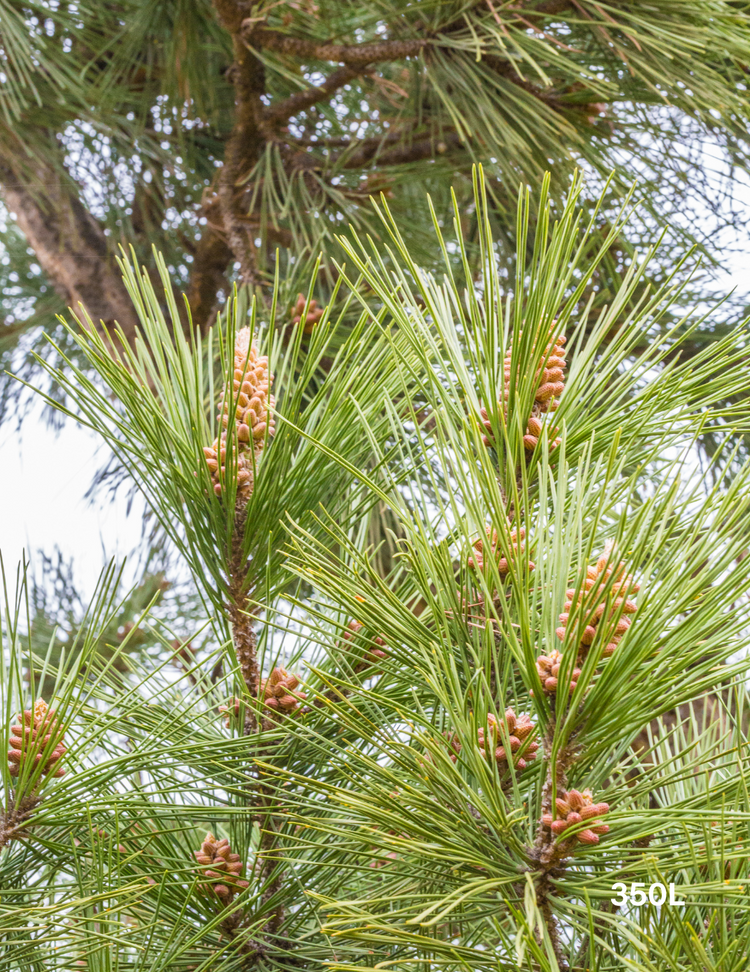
{"x": 549, "y": 377}
{"x": 253, "y": 418}
{"x": 490, "y": 549}
{"x": 29, "y": 738}
{"x": 279, "y": 692}
{"x": 220, "y": 863}
{"x": 573, "y": 808}
{"x": 596, "y": 607}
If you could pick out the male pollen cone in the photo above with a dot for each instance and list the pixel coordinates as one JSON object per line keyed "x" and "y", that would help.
{"x": 313, "y": 316}
{"x": 548, "y": 667}
{"x": 278, "y": 691}
{"x": 252, "y": 420}
{"x": 572, "y": 809}
{"x": 489, "y": 548}
{"x": 492, "y": 741}
{"x": 30, "y": 737}
{"x": 595, "y": 607}
{"x": 218, "y": 861}
{"x": 549, "y": 379}
{"x": 372, "y": 655}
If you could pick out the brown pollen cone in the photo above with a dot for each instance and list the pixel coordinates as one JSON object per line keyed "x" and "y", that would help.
{"x": 548, "y": 667}
{"x": 30, "y": 737}
{"x": 571, "y": 809}
{"x": 594, "y": 606}
{"x": 519, "y": 729}
{"x": 489, "y": 548}
{"x": 218, "y": 861}
{"x": 313, "y": 316}
{"x": 252, "y": 419}
{"x": 372, "y": 655}
{"x": 549, "y": 376}
{"x": 278, "y": 692}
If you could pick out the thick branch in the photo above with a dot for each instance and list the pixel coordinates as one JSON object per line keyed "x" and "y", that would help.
{"x": 210, "y": 261}
{"x": 285, "y": 109}
{"x": 417, "y": 151}
{"x": 70, "y": 246}
{"x": 259, "y": 35}
{"x": 246, "y": 141}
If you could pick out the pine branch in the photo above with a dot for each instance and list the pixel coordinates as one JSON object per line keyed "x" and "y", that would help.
{"x": 260, "y": 35}
{"x": 246, "y": 141}
{"x": 417, "y": 151}
{"x": 13, "y": 818}
{"x": 208, "y": 272}
{"x": 284, "y": 110}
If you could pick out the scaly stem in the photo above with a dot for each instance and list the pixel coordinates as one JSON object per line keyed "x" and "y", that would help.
{"x": 548, "y": 852}
{"x": 242, "y": 620}
{"x": 13, "y": 818}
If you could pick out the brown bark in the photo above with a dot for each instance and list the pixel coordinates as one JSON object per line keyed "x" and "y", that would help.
{"x": 284, "y": 110}
{"x": 70, "y": 246}
{"x": 417, "y": 151}
{"x": 208, "y": 276}
{"x": 13, "y": 818}
{"x": 246, "y": 141}
{"x": 259, "y": 35}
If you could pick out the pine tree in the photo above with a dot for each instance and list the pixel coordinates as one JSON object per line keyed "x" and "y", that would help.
{"x": 449, "y": 766}
{"x": 239, "y": 138}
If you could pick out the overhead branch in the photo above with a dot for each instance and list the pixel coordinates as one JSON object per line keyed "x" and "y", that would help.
{"x": 208, "y": 273}
{"x": 259, "y": 35}
{"x": 69, "y": 244}
{"x": 247, "y": 139}
{"x": 416, "y": 151}
{"x": 284, "y": 110}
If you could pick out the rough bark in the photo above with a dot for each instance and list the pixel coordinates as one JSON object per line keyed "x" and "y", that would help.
{"x": 386, "y": 50}
{"x": 245, "y": 143}
{"x": 208, "y": 276}
{"x": 70, "y": 246}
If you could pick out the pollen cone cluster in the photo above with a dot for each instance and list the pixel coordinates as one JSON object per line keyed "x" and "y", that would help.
{"x": 313, "y": 316}
{"x": 372, "y": 655}
{"x": 549, "y": 378}
{"x": 218, "y": 861}
{"x": 548, "y": 667}
{"x": 36, "y": 739}
{"x": 252, "y": 418}
{"x": 572, "y": 809}
{"x": 490, "y": 549}
{"x": 596, "y": 607}
{"x": 492, "y": 740}
{"x": 278, "y": 691}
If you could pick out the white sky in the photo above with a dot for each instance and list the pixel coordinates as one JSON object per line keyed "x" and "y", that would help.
{"x": 43, "y": 479}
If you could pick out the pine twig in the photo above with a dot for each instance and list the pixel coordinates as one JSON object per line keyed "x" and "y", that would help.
{"x": 259, "y": 34}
